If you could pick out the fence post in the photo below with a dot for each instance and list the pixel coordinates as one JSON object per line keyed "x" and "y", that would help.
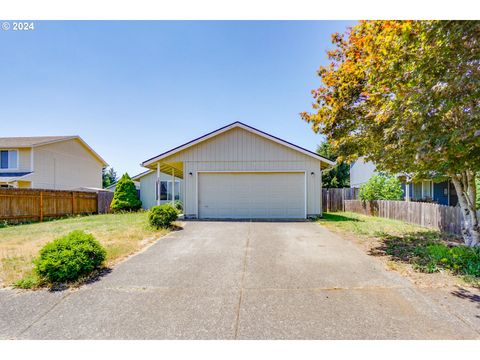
{"x": 41, "y": 206}
{"x": 73, "y": 203}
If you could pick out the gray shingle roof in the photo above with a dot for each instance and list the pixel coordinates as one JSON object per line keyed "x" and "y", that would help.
{"x": 29, "y": 141}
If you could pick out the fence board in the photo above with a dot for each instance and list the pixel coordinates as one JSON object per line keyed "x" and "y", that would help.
{"x": 104, "y": 200}
{"x": 333, "y": 198}
{"x": 37, "y": 204}
{"x": 440, "y": 217}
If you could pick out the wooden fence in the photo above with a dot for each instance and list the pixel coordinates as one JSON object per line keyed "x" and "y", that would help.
{"x": 18, "y": 205}
{"x": 104, "y": 200}
{"x": 333, "y": 199}
{"x": 440, "y": 217}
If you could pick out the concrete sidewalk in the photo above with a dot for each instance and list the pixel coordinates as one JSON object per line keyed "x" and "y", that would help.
{"x": 244, "y": 280}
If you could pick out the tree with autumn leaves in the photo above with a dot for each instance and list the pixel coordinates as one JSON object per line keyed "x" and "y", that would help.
{"x": 406, "y": 95}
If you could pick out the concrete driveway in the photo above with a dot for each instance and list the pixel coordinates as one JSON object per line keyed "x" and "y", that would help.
{"x": 243, "y": 280}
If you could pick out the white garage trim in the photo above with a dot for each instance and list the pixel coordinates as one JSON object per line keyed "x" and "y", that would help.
{"x": 252, "y": 172}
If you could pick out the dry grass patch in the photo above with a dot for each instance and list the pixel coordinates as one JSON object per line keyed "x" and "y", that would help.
{"x": 120, "y": 234}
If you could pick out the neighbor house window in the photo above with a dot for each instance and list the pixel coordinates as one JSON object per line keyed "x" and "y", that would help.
{"x": 166, "y": 190}
{"x": 8, "y": 159}
{"x": 417, "y": 191}
{"x": 427, "y": 189}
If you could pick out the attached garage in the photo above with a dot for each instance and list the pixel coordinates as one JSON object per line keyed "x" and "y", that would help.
{"x": 239, "y": 172}
{"x": 251, "y": 195}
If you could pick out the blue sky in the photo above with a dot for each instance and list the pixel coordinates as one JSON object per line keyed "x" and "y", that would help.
{"x": 134, "y": 89}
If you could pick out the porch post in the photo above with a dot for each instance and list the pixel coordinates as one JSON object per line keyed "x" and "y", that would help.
{"x": 173, "y": 187}
{"x": 407, "y": 191}
{"x": 158, "y": 183}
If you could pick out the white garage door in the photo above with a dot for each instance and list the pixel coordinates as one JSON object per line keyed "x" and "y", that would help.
{"x": 251, "y": 195}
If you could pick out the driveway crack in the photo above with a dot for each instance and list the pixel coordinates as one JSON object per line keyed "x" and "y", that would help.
{"x": 40, "y": 317}
{"x": 242, "y": 281}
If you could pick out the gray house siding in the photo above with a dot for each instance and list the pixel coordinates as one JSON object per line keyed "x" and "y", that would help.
{"x": 239, "y": 150}
{"x": 148, "y": 192}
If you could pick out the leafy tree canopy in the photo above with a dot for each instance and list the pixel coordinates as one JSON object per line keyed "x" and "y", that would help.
{"x": 381, "y": 187}
{"x": 109, "y": 177}
{"x": 406, "y": 95}
{"x": 337, "y": 176}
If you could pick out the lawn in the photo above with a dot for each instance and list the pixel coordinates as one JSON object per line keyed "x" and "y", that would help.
{"x": 426, "y": 250}
{"x": 368, "y": 226}
{"x": 120, "y": 234}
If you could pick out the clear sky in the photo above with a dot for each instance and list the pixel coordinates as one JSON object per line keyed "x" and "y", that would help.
{"x": 135, "y": 89}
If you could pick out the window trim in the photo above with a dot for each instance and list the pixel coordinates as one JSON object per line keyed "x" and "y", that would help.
{"x": 177, "y": 186}
{"x": 18, "y": 160}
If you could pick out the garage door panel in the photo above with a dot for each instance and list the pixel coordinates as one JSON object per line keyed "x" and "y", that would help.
{"x": 251, "y": 195}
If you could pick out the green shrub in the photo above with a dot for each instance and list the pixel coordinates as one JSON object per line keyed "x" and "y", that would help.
{"x": 125, "y": 197}
{"x": 28, "y": 282}
{"x": 381, "y": 187}
{"x": 459, "y": 259}
{"x": 70, "y": 257}
{"x": 162, "y": 216}
{"x": 178, "y": 206}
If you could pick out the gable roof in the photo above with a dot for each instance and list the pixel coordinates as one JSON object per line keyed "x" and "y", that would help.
{"x": 34, "y": 141}
{"x": 142, "y": 174}
{"x": 30, "y": 141}
{"x": 241, "y": 125}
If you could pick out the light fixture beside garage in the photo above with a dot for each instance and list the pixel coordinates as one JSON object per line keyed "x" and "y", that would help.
{"x": 190, "y": 173}
{"x": 312, "y": 173}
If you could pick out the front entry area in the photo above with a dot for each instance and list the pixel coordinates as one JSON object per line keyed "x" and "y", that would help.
{"x": 251, "y": 195}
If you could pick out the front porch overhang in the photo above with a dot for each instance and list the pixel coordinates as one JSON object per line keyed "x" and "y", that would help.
{"x": 170, "y": 168}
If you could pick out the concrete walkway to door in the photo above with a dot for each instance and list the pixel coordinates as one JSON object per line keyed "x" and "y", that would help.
{"x": 240, "y": 280}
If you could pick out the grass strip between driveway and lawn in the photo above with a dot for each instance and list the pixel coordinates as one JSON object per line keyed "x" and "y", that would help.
{"x": 121, "y": 235}
{"x": 426, "y": 250}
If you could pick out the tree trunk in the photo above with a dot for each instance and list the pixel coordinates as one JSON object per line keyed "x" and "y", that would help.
{"x": 466, "y": 191}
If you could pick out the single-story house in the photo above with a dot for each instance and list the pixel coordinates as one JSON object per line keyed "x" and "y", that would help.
{"x": 239, "y": 172}
{"x": 441, "y": 192}
{"x": 49, "y": 162}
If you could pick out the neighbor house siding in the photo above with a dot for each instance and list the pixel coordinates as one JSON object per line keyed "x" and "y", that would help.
{"x": 24, "y": 161}
{"x": 360, "y": 172}
{"x": 241, "y": 150}
{"x": 65, "y": 165}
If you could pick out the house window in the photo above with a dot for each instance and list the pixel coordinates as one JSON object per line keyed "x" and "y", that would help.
{"x": 427, "y": 189}
{"x": 8, "y": 159}
{"x": 166, "y": 190}
{"x": 417, "y": 191}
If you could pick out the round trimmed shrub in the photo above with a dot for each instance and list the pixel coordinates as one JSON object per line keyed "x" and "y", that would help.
{"x": 162, "y": 216}
{"x": 70, "y": 257}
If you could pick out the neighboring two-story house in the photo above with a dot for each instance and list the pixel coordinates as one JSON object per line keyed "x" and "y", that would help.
{"x": 49, "y": 162}
{"x": 442, "y": 192}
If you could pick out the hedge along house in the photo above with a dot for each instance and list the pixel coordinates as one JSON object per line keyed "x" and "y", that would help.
{"x": 239, "y": 172}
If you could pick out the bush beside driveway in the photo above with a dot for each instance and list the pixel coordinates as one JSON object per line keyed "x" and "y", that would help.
{"x": 121, "y": 234}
